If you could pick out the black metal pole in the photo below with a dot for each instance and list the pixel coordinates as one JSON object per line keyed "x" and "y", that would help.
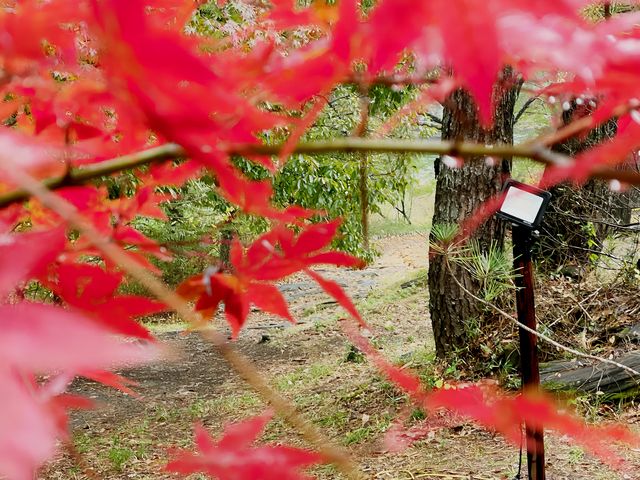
{"x": 522, "y": 238}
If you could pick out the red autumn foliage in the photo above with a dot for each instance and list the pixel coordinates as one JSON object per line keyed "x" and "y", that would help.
{"x": 87, "y": 80}
{"x": 487, "y": 406}
{"x": 27, "y": 255}
{"x": 235, "y": 457}
{"x": 93, "y": 290}
{"x": 273, "y": 256}
{"x": 42, "y": 339}
{"x": 398, "y": 437}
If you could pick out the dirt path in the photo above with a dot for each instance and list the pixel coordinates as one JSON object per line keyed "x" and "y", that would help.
{"x": 200, "y": 370}
{"x": 314, "y": 366}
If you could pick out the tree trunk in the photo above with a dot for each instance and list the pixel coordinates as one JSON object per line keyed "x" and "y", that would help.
{"x": 226, "y": 237}
{"x": 459, "y": 192}
{"x": 575, "y": 224}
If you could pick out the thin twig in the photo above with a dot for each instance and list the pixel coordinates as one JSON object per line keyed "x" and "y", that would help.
{"x": 241, "y": 364}
{"x": 524, "y": 108}
{"x": 434, "y": 118}
{"x": 574, "y": 128}
{"x": 635, "y": 226}
{"x": 566, "y": 314}
{"x": 541, "y": 336}
{"x": 402, "y": 212}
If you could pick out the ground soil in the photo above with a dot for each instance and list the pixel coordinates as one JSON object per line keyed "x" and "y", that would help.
{"x": 313, "y": 365}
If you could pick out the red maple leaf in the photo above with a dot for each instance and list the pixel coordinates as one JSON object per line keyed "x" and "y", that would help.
{"x": 39, "y": 159}
{"x": 234, "y": 457}
{"x": 184, "y": 99}
{"x": 43, "y": 339}
{"x": 504, "y": 413}
{"x": 26, "y": 255}
{"x": 93, "y": 290}
{"x": 237, "y": 294}
{"x": 607, "y": 154}
{"x": 28, "y": 427}
{"x": 271, "y": 257}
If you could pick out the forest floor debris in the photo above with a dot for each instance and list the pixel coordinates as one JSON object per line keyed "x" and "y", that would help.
{"x": 312, "y": 364}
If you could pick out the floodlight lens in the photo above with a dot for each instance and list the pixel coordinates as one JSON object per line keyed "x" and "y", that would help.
{"x": 521, "y": 204}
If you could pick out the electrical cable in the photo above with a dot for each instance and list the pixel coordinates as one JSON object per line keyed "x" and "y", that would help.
{"x": 519, "y": 474}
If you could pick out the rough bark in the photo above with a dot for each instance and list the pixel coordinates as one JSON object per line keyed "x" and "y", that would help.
{"x": 226, "y": 237}
{"x": 459, "y": 192}
{"x": 576, "y": 222}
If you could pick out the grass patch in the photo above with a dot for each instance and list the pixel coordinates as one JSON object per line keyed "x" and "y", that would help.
{"x": 119, "y": 457}
{"x": 228, "y": 404}
{"x": 303, "y": 376}
{"x": 358, "y": 435}
{"x": 336, "y": 419}
{"x": 375, "y": 426}
{"x": 419, "y": 210}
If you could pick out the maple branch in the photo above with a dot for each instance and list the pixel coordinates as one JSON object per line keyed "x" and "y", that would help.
{"x": 81, "y": 175}
{"x": 533, "y": 150}
{"x": 391, "y": 145}
{"x": 393, "y": 80}
{"x": 239, "y": 362}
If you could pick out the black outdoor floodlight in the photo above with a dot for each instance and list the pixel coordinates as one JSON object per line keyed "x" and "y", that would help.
{"x": 523, "y": 204}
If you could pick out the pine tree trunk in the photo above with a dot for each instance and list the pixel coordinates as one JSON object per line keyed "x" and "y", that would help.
{"x": 459, "y": 192}
{"x": 574, "y": 226}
